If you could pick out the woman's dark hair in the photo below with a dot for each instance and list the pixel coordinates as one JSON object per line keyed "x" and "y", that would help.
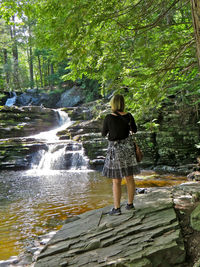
{"x": 117, "y": 103}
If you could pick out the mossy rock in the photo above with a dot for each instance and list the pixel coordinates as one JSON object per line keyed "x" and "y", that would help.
{"x": 195, "y": 218}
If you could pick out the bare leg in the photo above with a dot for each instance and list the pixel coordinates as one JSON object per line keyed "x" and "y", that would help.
{"x": 117, "y": 192}
{"x": 130, "y": 183}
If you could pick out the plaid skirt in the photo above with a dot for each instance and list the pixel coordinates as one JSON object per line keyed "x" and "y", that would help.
{"x": 120, "y": 160}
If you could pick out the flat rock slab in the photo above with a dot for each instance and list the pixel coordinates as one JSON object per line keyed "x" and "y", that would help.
{"x": 147, "y": 236}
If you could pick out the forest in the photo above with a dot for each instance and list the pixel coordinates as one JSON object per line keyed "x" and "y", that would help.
{"x": 147, "y": 49}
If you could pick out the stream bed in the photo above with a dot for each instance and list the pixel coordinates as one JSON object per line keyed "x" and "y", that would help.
{"x": 36, "y": 202}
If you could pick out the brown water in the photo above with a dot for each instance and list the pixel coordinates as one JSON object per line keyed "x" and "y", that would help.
{"x": 34, "y": 203}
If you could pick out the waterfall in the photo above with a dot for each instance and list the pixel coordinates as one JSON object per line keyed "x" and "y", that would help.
{"x": 50, "y": 136}
{"x": 60, "y": 155}
{"x": 75, "y": 158}
{"x": 11, "y": 101}
{"x": 51, "y": 159}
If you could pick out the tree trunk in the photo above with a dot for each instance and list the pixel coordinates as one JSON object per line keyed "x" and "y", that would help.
{"x": 30, "y": 57}
{"x": 44, "y": 71}
{"x": 15, "y": 56}
{"x": 5, "y": 55}
{"x": 31, "y": 66}
{"x": 48, "y": 73}
{"x": 52, "y": 73}
{"x": 52, "y": 69}
{"x": 195, "y": 5}
{"x": 40, "y": 69}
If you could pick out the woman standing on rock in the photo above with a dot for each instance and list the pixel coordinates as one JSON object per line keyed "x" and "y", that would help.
{"x": 120, "y": 159}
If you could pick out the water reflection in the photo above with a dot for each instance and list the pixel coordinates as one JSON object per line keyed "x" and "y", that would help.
{"x": 33, "y": 203}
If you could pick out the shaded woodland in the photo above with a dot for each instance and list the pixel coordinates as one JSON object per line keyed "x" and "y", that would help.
{"x": 148, "y": 50}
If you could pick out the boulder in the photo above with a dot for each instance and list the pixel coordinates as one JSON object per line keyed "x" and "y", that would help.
{"x": 23, "y": 99}
{"x": 32, "y": 97}
{"x": 70, "y": 98}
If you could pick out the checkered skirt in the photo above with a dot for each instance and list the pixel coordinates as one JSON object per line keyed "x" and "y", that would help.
{"x": 120, "y": 160}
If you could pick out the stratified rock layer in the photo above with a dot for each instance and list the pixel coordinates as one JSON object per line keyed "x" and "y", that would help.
{"x": 150, "y": 235}
{"x": 17, "y": 123}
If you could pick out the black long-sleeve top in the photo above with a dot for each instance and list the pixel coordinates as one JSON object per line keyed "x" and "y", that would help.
{"x": 118, "y": 126}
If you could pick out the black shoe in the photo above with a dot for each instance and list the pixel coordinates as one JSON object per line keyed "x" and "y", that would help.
{"x": 129, "y": 206}
{"x": 115, "y": 211}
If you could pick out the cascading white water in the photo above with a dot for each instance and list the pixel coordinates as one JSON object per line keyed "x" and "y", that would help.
{"x": 75, "y": 157}
{"x": 52, "y": 159}
{"x": 60, "y": 155}
{"x": 50, "y": 136}
{"x": 11, "y": 101}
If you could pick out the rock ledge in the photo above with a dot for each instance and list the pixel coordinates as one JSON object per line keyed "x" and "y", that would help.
{"x": 148, "y": 236}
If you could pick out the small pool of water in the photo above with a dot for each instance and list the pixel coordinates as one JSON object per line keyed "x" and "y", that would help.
{"x": 33, "y": 203}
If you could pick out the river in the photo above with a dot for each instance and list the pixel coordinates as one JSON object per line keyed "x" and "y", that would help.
{"x": 33, "y": 203}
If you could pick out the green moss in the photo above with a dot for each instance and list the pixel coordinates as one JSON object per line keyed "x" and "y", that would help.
{"x": 3, "y": 152}
{"x": 195, "y": 218}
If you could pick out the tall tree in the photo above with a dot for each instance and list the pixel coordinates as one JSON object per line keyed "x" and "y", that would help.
{"x": 15, "y": 54}
{"x": 195, "y": 5}
{"x": 144, "y": 46}
{"x": 30, "y": 55}
{"x": 5, "y": 56}
{"x": 5, "y": 50}
{"x": 40, "y": 69}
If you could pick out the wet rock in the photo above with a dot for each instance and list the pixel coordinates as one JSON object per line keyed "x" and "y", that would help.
{"x": 17, "y": 151}
{"x": 18, "y": 154}
{"x": 194, "y": 176}
{"x": 25, "y": 121}
{"x": 141, "y": 190}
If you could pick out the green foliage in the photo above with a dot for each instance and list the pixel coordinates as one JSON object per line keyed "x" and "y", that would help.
{"x": 1, "y": 96}
{"x": 152, "y": 126}
{"x": 143, "y": 49}
{"x": 57, "y": 91}
{"x": 90, "y": 88}
{"x": 139, "y": 48}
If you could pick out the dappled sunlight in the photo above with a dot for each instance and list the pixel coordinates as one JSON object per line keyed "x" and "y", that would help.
{"x": 36, "y": 203}
{"x": 152, "y": 179}
{"x": 156, "y": 183}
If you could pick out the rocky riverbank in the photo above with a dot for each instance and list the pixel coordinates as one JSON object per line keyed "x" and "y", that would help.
{"x": 171, "y": 148}
{"x": 163, "y": 231}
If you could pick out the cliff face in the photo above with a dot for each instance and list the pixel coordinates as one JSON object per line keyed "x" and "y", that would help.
{"x": 174, "y": 142}
{"x": 171, "y": 147}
